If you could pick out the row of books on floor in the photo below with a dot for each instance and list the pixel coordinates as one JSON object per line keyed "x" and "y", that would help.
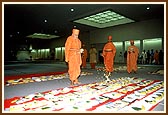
{"x": 120, "y": 94}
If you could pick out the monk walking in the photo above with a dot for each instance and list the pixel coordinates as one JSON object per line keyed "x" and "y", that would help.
{"x": 93, "y": 57}
{"x": 73, "y": 56}
{"x": 132, "y": 57}
{"x": 84, "y": 56}
{"x": 109, "y": 52}
{"x": 156, "y": 57}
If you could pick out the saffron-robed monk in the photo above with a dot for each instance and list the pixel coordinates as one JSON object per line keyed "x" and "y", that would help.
{"x": 73, "y": 56}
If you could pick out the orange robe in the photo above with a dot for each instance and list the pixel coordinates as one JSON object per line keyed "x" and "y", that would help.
{"x": 84, "y": 57}
{"x": 93, "y": 57}
{"x": 156, "y": 57}
{"x": 109, "y": 52}
{"x": 73, "y": 57}
{"x": 132, "y": 57}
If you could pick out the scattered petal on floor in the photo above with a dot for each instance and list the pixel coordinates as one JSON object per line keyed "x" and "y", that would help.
{"x": 40, "y": 78}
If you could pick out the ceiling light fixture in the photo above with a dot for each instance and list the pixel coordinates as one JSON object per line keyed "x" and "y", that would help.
{"x": 45, "y": 21}
{"x": 104, "y": 19}
{"x": 55, "y": 31}
{"x": 42, "y": 36}
{"x": 72, "y": 9}
{"x": 148, "y": 8}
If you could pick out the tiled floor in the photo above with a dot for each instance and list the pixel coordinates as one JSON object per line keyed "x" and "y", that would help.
{"x": 33, "y": 68}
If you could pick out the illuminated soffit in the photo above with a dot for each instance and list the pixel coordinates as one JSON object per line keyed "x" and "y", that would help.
{"x": 104, "y": 19}
{"x": 42, "y": 36}
{"x": 153, "y": 40}
{"x": 135, "y": 41}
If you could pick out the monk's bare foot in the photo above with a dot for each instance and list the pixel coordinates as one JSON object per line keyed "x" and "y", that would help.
{"x": 72, "y": 83}
{"x": 130, "y": 72}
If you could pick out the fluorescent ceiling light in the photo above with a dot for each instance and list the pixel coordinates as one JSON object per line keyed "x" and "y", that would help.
{"x": 42, "y": 36}
{"x": 104, "y": 19}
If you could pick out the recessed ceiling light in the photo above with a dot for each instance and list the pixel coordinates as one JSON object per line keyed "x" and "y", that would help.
{"x": 45, "y": 20}
{"x": 42, "y": 36}
{"x": 148, "y": 8}
{"x": 55, "y": 31}
{"x": 104, "y": 19}
{"x": 72, "y": 9}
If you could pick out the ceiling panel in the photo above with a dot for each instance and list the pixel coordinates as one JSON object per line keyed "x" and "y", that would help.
{"x": 58, "y": 19}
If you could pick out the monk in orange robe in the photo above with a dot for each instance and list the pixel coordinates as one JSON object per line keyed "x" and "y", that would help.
{"x": 132, "y": 57}
{"x": 156, "y": 57}
{"x": 73, "y": 56}
{"x": 93, "y": 57}
{"x": 108, "y": 54}
{"x": 84, "y": 56}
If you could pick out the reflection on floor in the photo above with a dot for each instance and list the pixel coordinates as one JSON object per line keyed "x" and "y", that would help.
{"x": 23, "y": 90}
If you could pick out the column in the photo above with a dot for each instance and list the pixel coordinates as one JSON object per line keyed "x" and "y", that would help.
{"x": 141, "y": 46}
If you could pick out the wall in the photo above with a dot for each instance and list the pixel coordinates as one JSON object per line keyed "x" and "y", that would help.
{"x": 139, "y": 30}
{"x": 57, "y": 42}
